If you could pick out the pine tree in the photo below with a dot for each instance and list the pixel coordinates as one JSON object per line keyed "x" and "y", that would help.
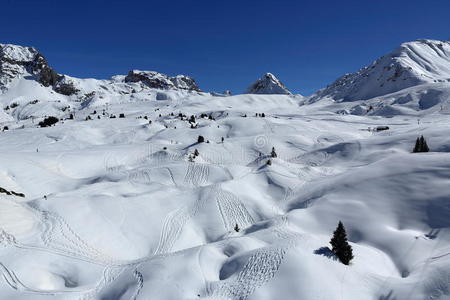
{"x": 424, "y": 144}
{"x": 417, "y": 146}
{"x": 273, "y": 154}
{"x": 236, "y": 228}
{"x": 341, "y": 247}
{"x": 200, "y": 139}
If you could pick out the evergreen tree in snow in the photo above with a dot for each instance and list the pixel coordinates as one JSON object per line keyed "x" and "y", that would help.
{"x": 273, "y": 154}
{"x": 423, "y": 142}
{"x": 417, "y": 146}
{"x": 341, "y": 247}
{"x": 236, "y": 228}
{"x": 421, "y": 145}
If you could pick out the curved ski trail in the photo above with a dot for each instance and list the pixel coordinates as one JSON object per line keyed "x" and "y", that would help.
{"x": 58, "y": 235}
{"x": 175, "y": 221}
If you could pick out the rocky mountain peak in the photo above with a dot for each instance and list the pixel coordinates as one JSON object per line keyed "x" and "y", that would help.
{"x": 17, "y": 61}
{"x": 268, "y": 84}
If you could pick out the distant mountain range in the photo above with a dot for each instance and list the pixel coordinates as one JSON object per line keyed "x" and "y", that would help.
{"x": 415, "y": 76}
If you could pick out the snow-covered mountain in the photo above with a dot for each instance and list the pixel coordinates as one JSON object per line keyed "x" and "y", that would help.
{"x": 121, "y": 199}
{"x": 17, "y": 62}
{"x": 268, "y": 84}
{"x": 411, "y": 64}
{"x": 29, "y": 87}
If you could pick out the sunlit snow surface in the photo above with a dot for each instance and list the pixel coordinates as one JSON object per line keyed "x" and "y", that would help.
{"x": 127, "y": 216}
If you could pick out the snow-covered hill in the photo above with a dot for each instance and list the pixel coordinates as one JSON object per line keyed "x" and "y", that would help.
{"x": 123, "y": 202}
{"x": 268, "y": 84}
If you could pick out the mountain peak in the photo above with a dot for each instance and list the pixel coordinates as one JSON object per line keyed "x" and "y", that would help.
{"x": 17, "y": 61}
{"x": 411, "y": 64}
{"x": 268, "y": 84}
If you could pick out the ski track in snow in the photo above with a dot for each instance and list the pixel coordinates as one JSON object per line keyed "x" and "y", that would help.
{"x": 232, "y": 210}
{"x": 139, "y": 283}
{"x": 175, "y": 221}
{"x": 261, "y": 266}
{"x": 196, "y": 174}
{"x": 58, "y": 235}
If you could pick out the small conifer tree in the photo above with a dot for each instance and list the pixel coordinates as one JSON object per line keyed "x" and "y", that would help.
{"x": 273, "y": 154}
{"x": 341, "y": 247}
{"x": 236, "y": 228}
{"x": 417, "y": 146}
{"x": 423, "y": 142}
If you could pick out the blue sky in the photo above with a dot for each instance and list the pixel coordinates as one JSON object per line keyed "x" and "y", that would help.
{"x": 222, "y": 44}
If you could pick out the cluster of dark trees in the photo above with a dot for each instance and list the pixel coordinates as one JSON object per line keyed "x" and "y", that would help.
{"x": 421, "y": 145}
{"x": 49, "y": 121}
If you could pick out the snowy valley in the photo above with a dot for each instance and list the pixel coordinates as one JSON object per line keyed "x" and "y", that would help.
{"x": 147, "y": 187}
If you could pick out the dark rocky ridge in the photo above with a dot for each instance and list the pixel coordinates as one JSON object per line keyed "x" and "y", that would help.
{"x": 161, "y": 81}
{"x": 17, "y": 60}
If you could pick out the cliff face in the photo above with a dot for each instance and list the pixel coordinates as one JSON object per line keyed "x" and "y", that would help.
{"x": 18, "y": 61}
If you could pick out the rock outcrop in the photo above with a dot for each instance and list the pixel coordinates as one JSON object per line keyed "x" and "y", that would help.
{"x": 157, "y": 80}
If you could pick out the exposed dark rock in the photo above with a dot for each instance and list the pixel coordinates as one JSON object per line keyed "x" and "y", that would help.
{"x": 161, "y": 81}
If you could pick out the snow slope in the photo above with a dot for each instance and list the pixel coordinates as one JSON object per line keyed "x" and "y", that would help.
{"x": 97, "y": 207}
{"x": 113, "y": 209}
